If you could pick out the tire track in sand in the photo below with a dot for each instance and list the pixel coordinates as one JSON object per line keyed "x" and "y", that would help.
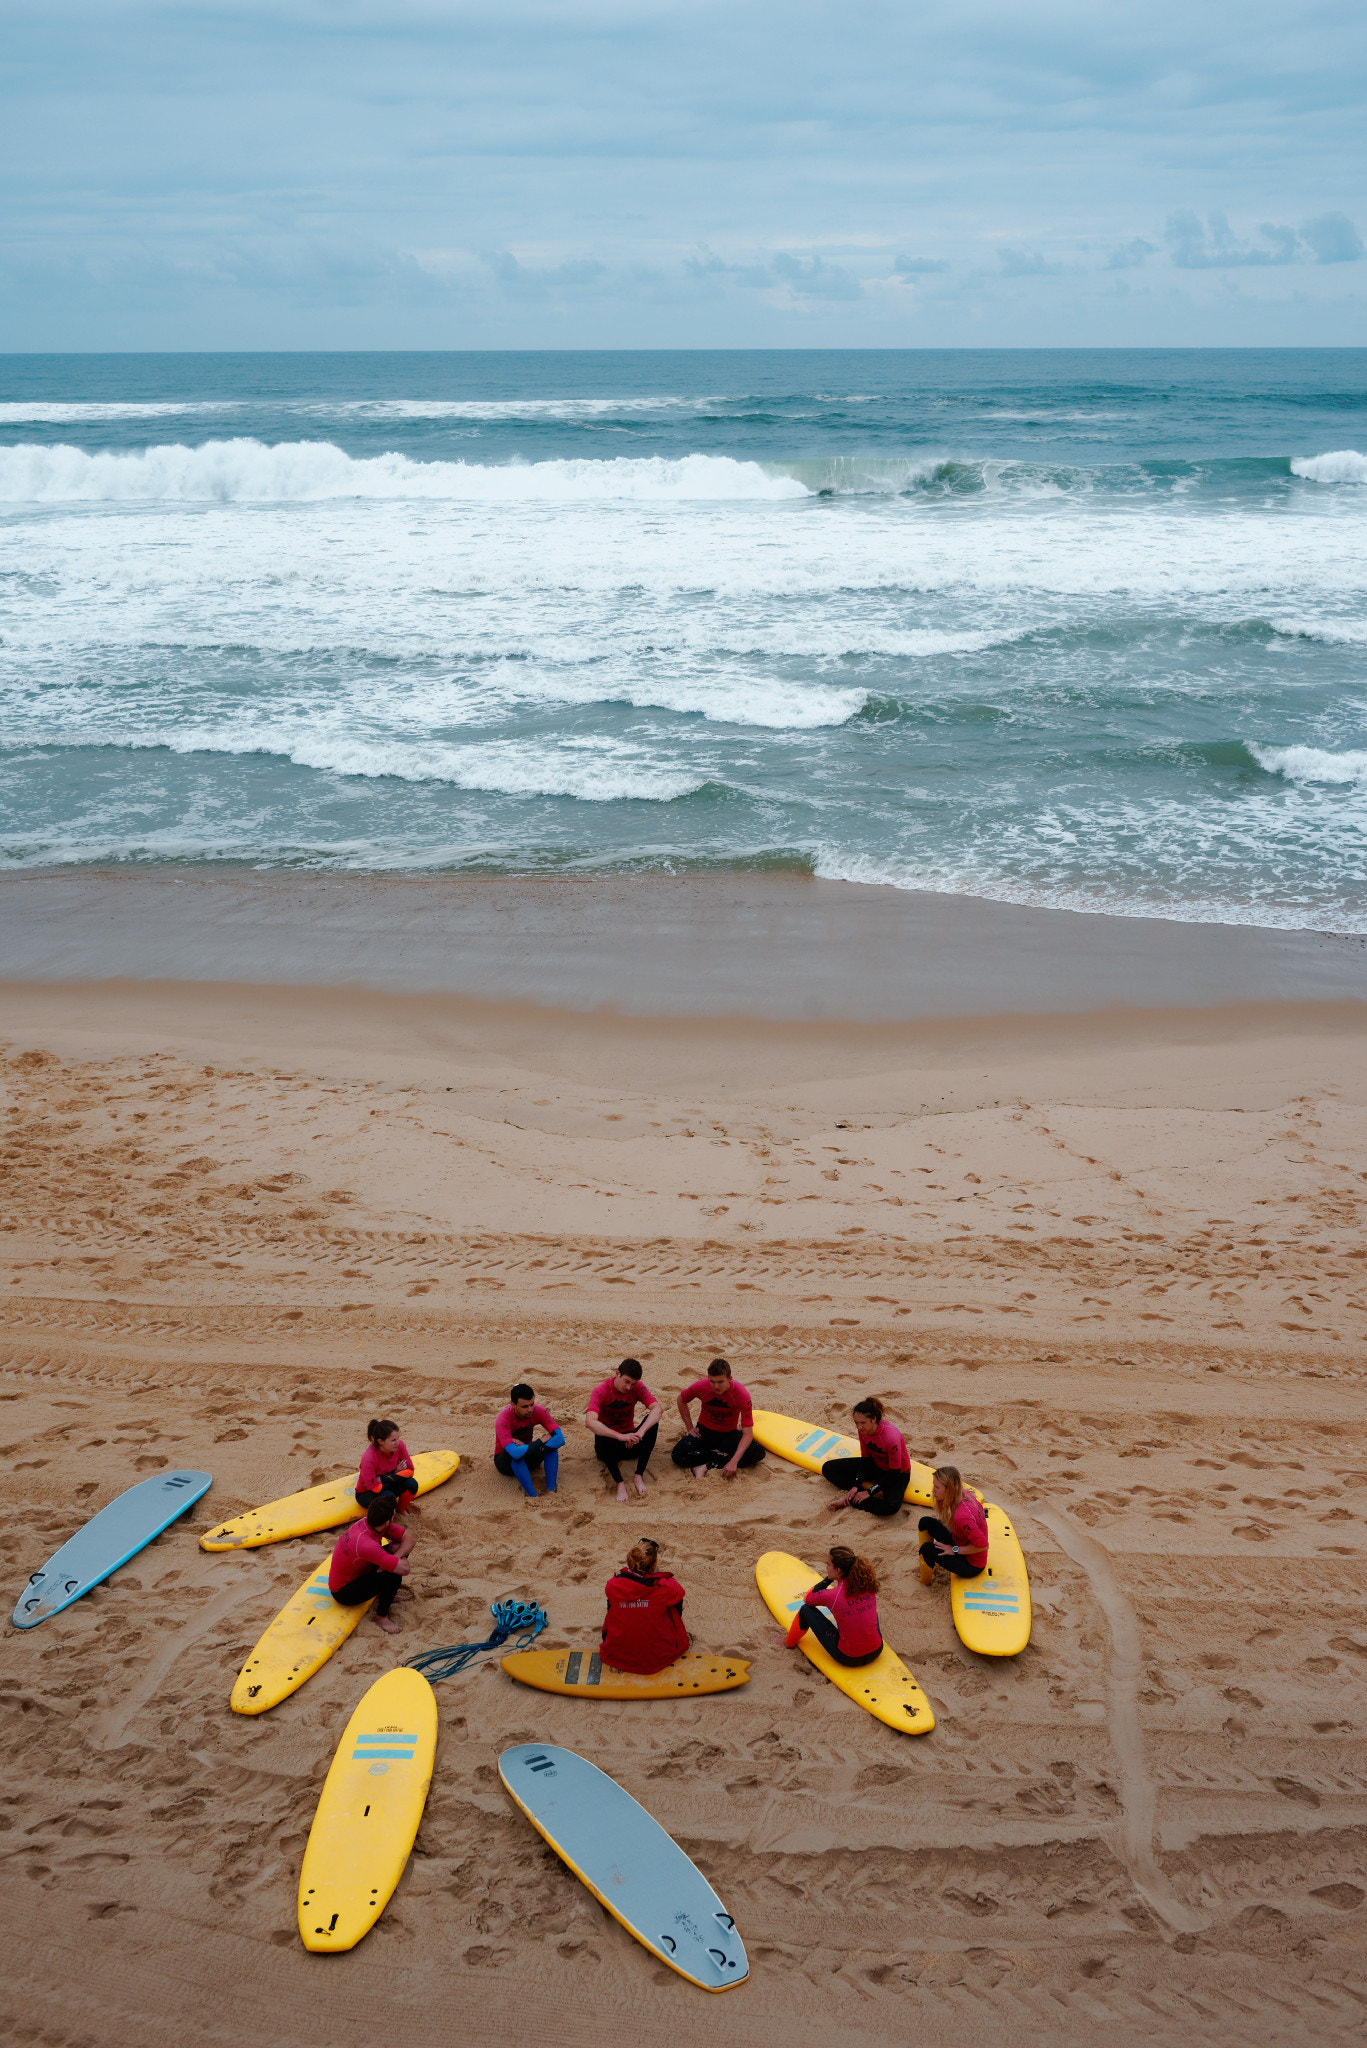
{"x": 1133, "y": 1838}
{"x": 110, "y": 1730}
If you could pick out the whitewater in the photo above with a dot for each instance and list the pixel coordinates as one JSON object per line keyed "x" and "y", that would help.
{"x": 1085, "y": 630}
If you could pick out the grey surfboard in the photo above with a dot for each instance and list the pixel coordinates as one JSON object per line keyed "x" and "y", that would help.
{"x": 628, "y": 1862}
{"x": 108, "y": 1540}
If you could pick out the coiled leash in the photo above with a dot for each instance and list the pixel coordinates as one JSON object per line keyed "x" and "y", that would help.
{"x": 520, "y": 1618}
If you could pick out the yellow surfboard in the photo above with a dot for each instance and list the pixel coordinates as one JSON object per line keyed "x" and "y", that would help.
{"x": 303, "y": 1635}
{"x": 317, "y": 1507}
{"x": 801, "y": 1443}
{"x": 992, "y": 1612}
{"x": 367, "y": 1817}
{"x": 885, "y": 1688}
{"x": 583, "y": 1674}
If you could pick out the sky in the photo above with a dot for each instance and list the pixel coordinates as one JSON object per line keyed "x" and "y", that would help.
{"x": 681, "y": 173}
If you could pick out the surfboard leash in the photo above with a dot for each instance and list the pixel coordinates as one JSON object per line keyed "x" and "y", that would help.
{"x": 520, "y": 1618}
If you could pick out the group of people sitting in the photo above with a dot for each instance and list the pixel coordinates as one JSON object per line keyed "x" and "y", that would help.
{"x": 644, "y": 1629}
{"x": 722, "y": 1440}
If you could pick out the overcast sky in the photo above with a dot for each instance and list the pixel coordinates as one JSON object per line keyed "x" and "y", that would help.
{"x": 657, "y": 173}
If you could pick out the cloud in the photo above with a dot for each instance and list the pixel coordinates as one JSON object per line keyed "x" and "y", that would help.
{"x": 1024, "y": 263}
{"x": 919, "y": 266}
{"x": 810, "y": 278}
{"x": 1333, "y": 238}
{"x": 1129, "y": 255}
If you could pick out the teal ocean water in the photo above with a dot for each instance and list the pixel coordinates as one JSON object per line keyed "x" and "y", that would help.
{"x": 1085, "y": 629}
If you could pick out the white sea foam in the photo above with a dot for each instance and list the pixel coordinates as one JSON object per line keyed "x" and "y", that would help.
{"x": 248, "y": 471}
{"x": 592, "y": 770}
{"x": 43, "y": 412}
{"x": 503, "y": 408}
{"x": 1312, "y": 764}
{"x": 1342, "y": 466}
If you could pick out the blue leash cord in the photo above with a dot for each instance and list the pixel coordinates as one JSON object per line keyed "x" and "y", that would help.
{"x": 520, "y": 1618}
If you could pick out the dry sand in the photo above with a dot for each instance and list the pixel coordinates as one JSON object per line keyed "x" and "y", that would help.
{"x": 1112, "y": 1266}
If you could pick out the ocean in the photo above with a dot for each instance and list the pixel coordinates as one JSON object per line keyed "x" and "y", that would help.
{"x": 1085, "y": 629}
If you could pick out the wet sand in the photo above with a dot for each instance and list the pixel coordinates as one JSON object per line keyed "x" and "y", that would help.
{"x": 1112, "y": 1264}
{"x": 776, "y": 945}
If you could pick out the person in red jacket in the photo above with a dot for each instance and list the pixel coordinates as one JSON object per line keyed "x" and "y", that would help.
{"x": 644, "y": 1628}
{"x": 370, "y": 1562}
{"x": 956, "y": 1536}
{"x": 386, "y": 1467}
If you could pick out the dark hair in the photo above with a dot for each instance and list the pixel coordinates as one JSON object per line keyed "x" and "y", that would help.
{"x": 719, "y": 1365}
{"x": 857, "y": 1573}
{"x": 868, "y": 1406}
{"x": 631, "y": 1368}
{"x": 380, "y": 1512}
{"x": 641, "y": 1557}
{"x": 948, "y": 1476}
{"x": 378, "y": 1431}
{"x": 522, "y": 1392}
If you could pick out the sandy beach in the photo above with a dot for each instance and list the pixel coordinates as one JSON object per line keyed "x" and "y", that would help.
{"x": 1109, "y": 1261}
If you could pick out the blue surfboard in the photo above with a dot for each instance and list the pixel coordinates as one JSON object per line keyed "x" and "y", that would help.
{"x": 628, "y": 1862}
{"x": 108, "y": 1540}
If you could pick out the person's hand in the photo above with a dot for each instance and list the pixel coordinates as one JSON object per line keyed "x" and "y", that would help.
{"x": 728, "y": 1471}
{"x": 402, "y": 1567}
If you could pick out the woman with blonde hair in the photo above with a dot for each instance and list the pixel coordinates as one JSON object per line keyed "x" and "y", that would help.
{"x": 842, "y": 1611}
{"x": 956, "y": 1534}
{"x": 644, "y": 1628}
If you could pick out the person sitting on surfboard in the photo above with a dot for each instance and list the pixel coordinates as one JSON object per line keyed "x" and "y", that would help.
{"x": 370, "y": 1562}
{"x": 956, "y": 1535}
{"x": 386, "y": 1468}
{"x": 725, "y": 1437}
{"x": 842, "y": 1611}
{"x": 517, "y": 1454}
{"x": 611, "y": 1415}
{"x": 878, "y": 1478}
{"x": 644, "y": 1628}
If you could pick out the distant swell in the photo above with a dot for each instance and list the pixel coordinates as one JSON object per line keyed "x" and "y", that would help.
{"x": 245, "y": 471}
{"x": 1343, "y": 466}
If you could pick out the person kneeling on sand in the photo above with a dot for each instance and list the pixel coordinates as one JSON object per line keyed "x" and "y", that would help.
{"x": 370, "y": 1562}
{"x": 644, "y": 1628}
{"x": 611, "y": 1416}
{"x": 386, "y": 1468}
{"x": 878, "y": 1478}
{"x": 956, "y": 1535}
{"x": 725, "y": 1437}
{"x": 842, "y": 1611}
{"x": 517, "y": 1454}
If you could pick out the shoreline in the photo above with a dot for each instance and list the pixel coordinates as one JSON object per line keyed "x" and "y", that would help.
{"x": 777, "y": 947}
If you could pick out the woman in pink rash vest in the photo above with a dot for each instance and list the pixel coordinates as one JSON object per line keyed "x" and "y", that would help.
{"x": 877, "y": 1479}
{"x": 842, "y": 1611}
{"x": 955, "y": 1536}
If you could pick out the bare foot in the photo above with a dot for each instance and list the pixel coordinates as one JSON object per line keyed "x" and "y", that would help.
{"x": 700, "y": 1471}
{"x": 403, "y": 1594}
{"x": 638, "y": 1482}
{"x": 388, "y": 1624}
{"x": 833, "y": 1507}
{"x": 622, "y": 1495}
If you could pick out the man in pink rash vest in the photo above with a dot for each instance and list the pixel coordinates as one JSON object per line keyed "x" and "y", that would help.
{"x": 517, "y": 1454}
{"x": 725, "y": 1437}
{"x": 611, "y": 1418}
{"x": 362, "y": 1568}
